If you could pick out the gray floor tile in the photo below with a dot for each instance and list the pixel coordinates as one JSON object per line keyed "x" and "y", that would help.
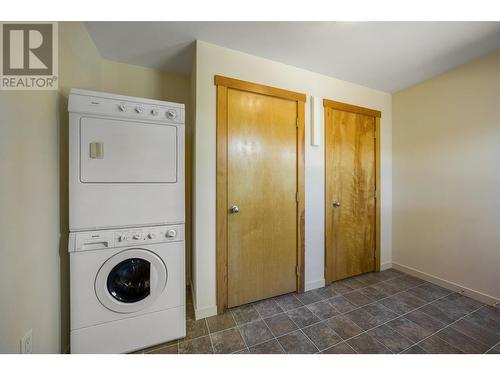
{"x": 281, "y": 324}
{"x": 227, "y": 341}
{"x": 453, "y": 307}
{"x": 390, "y": 338}
{"x": 268, "y": 347}
{"x": 402, "y": 303}
{"x": 434, "y": 345}
{"x": 359, "y": 299}
{"x": 309, "y": 297}
{"x": 366, "y": 344}
{"x": 392, "y": 273}
{"x": 381, "y": 313}
{"x": 323, "y": 310}
{"x": 327, "y": 292}
{"x": 288, "y": 302}
{"x": 340, "y": 287}
{"x": 220, "y": 322}
{"x": 393, "y": 285}
{"x": 353, "y": 283}
{"x": 297, "y": 343}
{"x": 408, "y": 281}
{"x": 485, "y": 319}
{"x": 387, "y": 288}
{"x": 415, "y": 350}
{"x": 368, "y": 278}
{"x": 245, "y": 314}
{"x": 362, "y": 318}
{"x": 200, "y": 345}
{"x": 344, "y": 327}
{"x": 476, "y": 332}
{"x": 195, "y": 328}
{"x": 322, "y": 335}
{"x": 168, "y": 349}
{"x": 302, "y": 317}
{"x": 255, "y": 333}
{"x": 437, "y": 313}
{"x": 461, "y": 341}
{"x": 429, "y": 292}
{"x": 409, "y": 329}
{"x": 373, "y": 293}
{"x": 267, "y": 308}
{"x": 424, "y": 320}
{"x": 341, "y": 348}
{"x": 341, "y": 304}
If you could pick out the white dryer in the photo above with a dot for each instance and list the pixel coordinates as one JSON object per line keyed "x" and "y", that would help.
{"x": 127, "y": 288}
{"x": 126, "y": 161}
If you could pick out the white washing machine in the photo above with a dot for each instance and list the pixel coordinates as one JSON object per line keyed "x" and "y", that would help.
{"x": 127, "y": 288}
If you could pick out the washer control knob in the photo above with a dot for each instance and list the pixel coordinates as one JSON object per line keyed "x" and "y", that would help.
{"x": 122, "y": 107}
{"x": 171, "y": 114}
{"x": 123, "y": 238}
{"x": 139, "y": 109}
{"x": 171, "y": 233}
{"x": 154, "y": 112}
{"x": 136, "y": 236}
{"x": 151, "y": 236}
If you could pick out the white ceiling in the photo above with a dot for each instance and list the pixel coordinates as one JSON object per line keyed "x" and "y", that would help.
{"x": 387, "y": 56}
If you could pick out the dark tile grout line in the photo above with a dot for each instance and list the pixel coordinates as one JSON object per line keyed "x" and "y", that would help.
{"x": 237, "y": 325}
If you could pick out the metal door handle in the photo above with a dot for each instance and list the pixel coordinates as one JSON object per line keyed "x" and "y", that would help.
{"x": 234, "y": 209}
{"x": 336, "y": 204}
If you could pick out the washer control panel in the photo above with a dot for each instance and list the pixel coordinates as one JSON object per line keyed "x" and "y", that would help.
{"x": 148, "y": 235}
{"x": 112, "y": 238}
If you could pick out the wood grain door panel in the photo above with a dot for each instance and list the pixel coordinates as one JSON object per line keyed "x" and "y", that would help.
{"x": 350, "y": 180}
{"x": 262, "y": 182}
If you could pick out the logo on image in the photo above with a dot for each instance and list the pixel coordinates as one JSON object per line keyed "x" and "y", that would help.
{"x": 28, "y": 58}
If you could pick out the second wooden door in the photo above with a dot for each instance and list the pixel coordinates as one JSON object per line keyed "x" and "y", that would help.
{"x": 349, "y": 193}
{"x": 261, "y": 194}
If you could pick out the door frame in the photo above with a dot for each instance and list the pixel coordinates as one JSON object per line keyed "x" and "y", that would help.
{"x": 223, "y": 84}
{"x": 376, "y": 115}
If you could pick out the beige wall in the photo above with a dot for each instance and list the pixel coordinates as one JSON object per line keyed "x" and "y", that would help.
{"x": 446, "y": 187}
{"x": 34, "y": 191}
{"x": 211, "y": 60}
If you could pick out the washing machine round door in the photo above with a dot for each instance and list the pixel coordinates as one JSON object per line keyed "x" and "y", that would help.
{"x": 131, "y": 280}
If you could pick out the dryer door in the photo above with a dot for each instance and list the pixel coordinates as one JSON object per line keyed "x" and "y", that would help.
{"x": 120, "y": 151}
{"x": 131, "y": 280}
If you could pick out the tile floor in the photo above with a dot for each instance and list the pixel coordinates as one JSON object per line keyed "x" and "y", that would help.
{"x": 386, "y": 312}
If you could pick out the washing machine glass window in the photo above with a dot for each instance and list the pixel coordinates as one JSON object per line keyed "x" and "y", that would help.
{"x": 131, "y": 280}
{"x": 128, "y": 281}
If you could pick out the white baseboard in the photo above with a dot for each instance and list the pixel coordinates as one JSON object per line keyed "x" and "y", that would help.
{"x": 385, "y": 266}
{"x": 205, "y": 312}
{"x": 314, "y": 284}
{"x": 474, "y": 294}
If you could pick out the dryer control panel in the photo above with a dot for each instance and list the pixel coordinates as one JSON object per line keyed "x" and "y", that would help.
{"x": 114, "y": 238}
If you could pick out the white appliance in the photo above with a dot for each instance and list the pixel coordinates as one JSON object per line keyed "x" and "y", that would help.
{"x": 126, "y": 219}
{"x": 126, "y": 161}
{"x": 127, "y": 288}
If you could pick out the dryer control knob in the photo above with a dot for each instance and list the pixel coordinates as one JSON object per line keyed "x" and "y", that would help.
{"x": 154, "y": 112}
{"x": 139, "y": 109}
{"x": 171, "y": 114}
{"x": 122, "y": 107}
{"x": 171, "y": 233}
{"x": 136, "y": 236}
{"x": 151, "y": 236}
{"x": 123, "y": 238}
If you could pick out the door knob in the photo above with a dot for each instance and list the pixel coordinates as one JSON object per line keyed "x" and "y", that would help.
{"x": 336, "y": 204}
{"x": 234, "y": 209}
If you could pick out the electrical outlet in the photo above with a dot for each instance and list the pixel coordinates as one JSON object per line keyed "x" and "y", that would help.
{"x": 27, "y": 343}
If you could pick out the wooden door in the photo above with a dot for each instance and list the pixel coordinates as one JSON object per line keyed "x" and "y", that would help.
{"x": 262, "y": 184}
{"x": 350, "y": 191}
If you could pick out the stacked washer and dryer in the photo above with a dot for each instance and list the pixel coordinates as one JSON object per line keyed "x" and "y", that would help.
{"x": 126, "y": 221}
